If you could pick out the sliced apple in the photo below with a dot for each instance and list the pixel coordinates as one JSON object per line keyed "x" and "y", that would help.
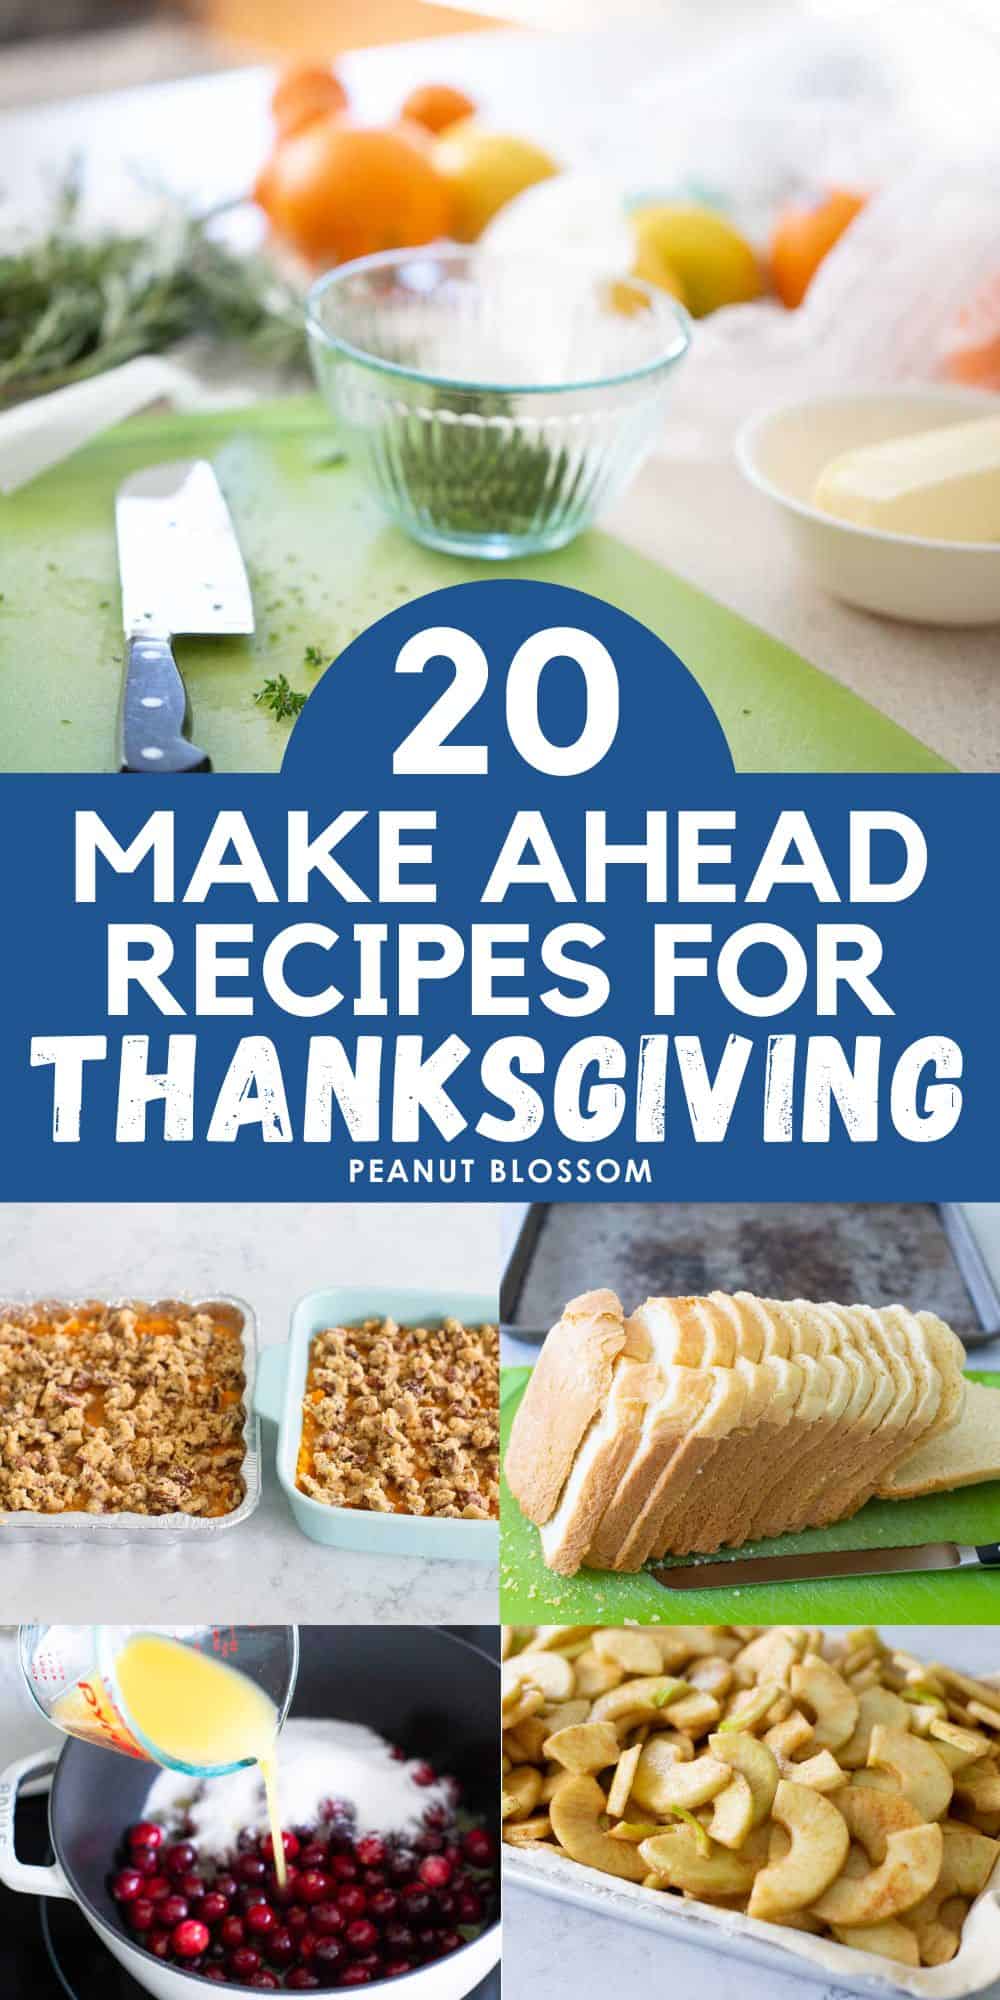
{"x": 834, "y": 1705}
{"x": 635, "y": 1652}
{"x": 585, "y": 1747}
{"x": 910, "y": 1869}
{"x": 576, "y": 1812}
{"x": 522, "y": 1789}
{"x": 745, "y": 1753}
{"x": 662, "y": 1782}
{"x": 732, "y": 1812}
{"x": 870, "y": 1817}
{"x": 621, "y": 1783}
{"x": 875, "y": 1704}
{"x": 818, "y": 1844}
{"x": 550, "y": 1672}
{"x": 675, "y": 1857}
{"x": 889, "y": 1939}
{"x": 921, "y": 1775}
{"x": 822, "y": 1772}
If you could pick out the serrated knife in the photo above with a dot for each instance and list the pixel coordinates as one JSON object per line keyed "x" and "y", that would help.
{"x": 181, "y": 573}
{"x": 740, "y": 1570}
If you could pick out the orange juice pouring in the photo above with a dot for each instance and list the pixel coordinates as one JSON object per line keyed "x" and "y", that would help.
{"x": 199, "y": 1699}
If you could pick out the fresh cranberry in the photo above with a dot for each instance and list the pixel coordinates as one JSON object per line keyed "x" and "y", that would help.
{"x": 260, "y": 1918}
{"x": 399, "y": 1937}
{"x": 190, "y": 1884}
{"x": 314, "y": 1886}
{"x": 288, "y": 1842}
{"x": 429, "y": 1843}
{"x": 158, "y": 1888}
{"x": 453, "y": 1855}
{"x": 479, "y": 1847}
{"x": 394, "y": 1966}
{"x": 327, "y": 1952}
{"x": 190, "y": 1939}
{"x": 417, "y": 1900}
{"x": 361, "y": 1935}
{"x": 396, "y": 1751}
{"x": 373, "y": 1960}
{"x": 371, "y": 1851}
{"x": 447, "y": 1906}
{"x": 280, "y": 1946}
{"x": 328, "y": 1917}
{"x": 298, "y": 1919}
{"x": 218, "y": 1973}
{"x": 373, "y": 1878}
{"x": 384, "y": 1903}
{"x": 344, "y": 1868}
{"x": 401, "y": 1864}
{"x": 355, "y": 1975}
{"x": 213, "y": 1906}
{"x": 424, "y": 1774}
{"x": 247, "y": 1839}
{"x": 145, "y": 1833}
{"x": 301, "y": 1980}
{"x": 307, "y": 1946}
{"x": 127, "y": 1885}
{"x": 436, "y": 1817}
{"x": 145, "y": 1859}
{"x": 179, "y": 1858}
{"x": 158, "y": 1942}
{"x": 435, "y": 1871}
{"x": 470, "y": 1907}
{"x": 313, "y": 1855}
{"x": 141, "y": 1914}
{"x": 264, "y": 1978}
{"x": 250, "y": 1868}
{"x": 282, "y": 1892}
{"x": 172, "y": 1911}
{"x": 427, "y": 1943}
{"x": 232, "y": 1933}
{"x": 449, "y": 1941}
{"x": 352, "y": 1900}
{"x": 226, "y": 1885}
{"x": 248, "y": 1897}
{"x": 337, "y": 1809}
{"x": 243, "y": 1962}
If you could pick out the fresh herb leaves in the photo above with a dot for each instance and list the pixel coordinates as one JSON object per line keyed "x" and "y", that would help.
{"x": 73, "y": 303}
{"x": 284, "y": 701}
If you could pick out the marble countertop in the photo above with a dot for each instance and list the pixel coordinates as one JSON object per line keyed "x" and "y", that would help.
{"x": 555, "y": 1949}
{"x": 269, "y": 1254}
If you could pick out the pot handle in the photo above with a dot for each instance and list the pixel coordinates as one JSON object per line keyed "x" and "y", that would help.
{"x": 15, "y": 1874}
{"x": 269, "y": 1381}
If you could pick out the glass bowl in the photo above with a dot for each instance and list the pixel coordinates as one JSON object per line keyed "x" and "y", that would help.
{"x": 497, "y": 403}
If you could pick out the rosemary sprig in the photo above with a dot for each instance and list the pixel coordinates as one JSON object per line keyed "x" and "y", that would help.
{"x": 73, "y": 304}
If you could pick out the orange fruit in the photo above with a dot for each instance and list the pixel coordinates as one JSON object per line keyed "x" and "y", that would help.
{"x": 435, "y": 105}
{"x": 338, "y": 190}
{"x": 803, "y": 236}
{"x": 304, "y": 92}
{"x": 974, "y": 355}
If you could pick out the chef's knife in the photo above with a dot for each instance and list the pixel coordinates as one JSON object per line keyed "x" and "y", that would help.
{"x": 741, "y": 1570}
{"x": 181, "y": 572}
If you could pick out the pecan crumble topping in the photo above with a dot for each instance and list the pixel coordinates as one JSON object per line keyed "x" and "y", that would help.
{"x": 403, "y": 1419}
{"x": 121, "y": 1409}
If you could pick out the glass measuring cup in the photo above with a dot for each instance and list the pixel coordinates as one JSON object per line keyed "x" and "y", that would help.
{"x": 70, "y": 1672}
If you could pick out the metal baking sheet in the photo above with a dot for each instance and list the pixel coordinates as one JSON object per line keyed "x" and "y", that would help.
{"x": 831, "y": 1965}
{"x": 157, "y": 1530}
{"x": 876, "y": 1251}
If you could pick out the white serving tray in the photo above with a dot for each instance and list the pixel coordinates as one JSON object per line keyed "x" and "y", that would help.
{"x": 975, "y": 1967}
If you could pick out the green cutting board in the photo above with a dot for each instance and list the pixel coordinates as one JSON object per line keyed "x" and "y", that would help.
{"x": 531, "y": 1595}
{"x": 323, "y": 566}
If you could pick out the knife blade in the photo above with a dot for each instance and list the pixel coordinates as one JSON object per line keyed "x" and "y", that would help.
{"x": 181, "y": 572}
{"x": 740, "y": 1570}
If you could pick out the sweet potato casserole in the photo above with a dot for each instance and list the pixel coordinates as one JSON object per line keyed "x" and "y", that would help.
{"x": 403, "y": 1419}
{"x": 121, "y": 1409}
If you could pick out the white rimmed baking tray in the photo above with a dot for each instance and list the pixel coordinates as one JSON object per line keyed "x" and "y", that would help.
{"x": 281, "y": 1386}
{"x": 834, "y": 1965}
{"x": 767, "y": 1945}
{"x": 158, "y": 1530}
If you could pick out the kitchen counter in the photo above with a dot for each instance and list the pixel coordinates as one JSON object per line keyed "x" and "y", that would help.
{"x": 269, "y": 1255}
{"x": 553, "y": 1948}
{"x": 207, "y": 135}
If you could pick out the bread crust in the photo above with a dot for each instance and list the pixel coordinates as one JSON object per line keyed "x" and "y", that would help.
{"x": 569, "y": 1386}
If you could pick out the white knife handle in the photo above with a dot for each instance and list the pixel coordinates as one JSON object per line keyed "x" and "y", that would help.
{"x": 155, "y": 712}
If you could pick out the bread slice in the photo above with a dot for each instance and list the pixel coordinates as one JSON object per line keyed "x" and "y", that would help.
{"x": 964, "y": 1455}
{"x": 876, "y": 1432}
{"x": 686, "y": 1460}
{"x": 601, "y": 1460}
{"x": 861, "y": 1381}
{"x": 568, "y": 1387}
{"x": 680, "y": 1337}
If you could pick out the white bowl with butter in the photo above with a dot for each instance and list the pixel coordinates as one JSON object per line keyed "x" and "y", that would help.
{"x": 794, "y": 455}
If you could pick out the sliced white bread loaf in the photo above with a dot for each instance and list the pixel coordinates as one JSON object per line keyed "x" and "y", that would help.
{"x": 966, "y": 1455}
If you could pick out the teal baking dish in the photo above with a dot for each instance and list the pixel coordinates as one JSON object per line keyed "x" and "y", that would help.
{"x": 279, "y": 1390}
